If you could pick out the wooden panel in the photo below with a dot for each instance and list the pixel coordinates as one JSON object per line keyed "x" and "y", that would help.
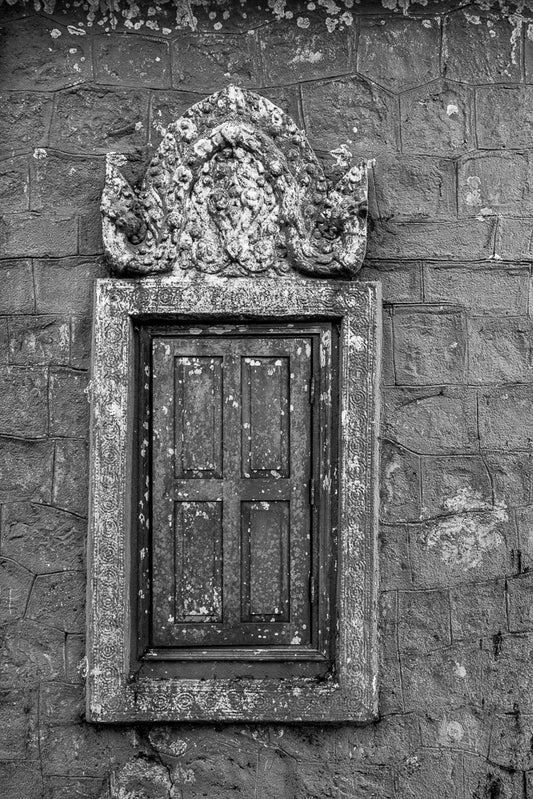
{"x": 265, "y": 416}
{"x": 198, "y": 536}
{"x": 265, "y": 561}
{"x": 198, "y": 422}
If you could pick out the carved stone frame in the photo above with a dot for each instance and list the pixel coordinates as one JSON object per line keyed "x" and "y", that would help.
{"x": 113, "y": 694}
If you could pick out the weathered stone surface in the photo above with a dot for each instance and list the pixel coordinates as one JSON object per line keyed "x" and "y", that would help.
{"x": 454, "y": 674}
{"x": 412, "y": 187}
{"x": 21, "y": 779}
{"x": 504, "y": 116}
{"x": 66, "y": 285}
{"x": 455, "y": 483}
{"x": 39, "y": 340}
{"x": 424, "y": 620}
{"x": 430, "y": 347}
{"x": 524, "y": 523}
{"x": 17, "y": 295}
{"x": 515, "y": 239}
{"x": 494, "y": 184}
{"x": 426, "y": 769}
{"x": 481, "y": 778}
{"x": 69, "y": 404}
{"x": 16, "y": 584}
{"x": 32, "y": 56}
{"x": 493, "y": 46}
{"x": 520, "y": 596}
{"x": 23, "y": 410}
{"x": 58, "y": 600}
{"x": 399, "y": 53}
{"x": 90, "y": 119}
{"x": 142, "y": 776}
{"x": 510, "y": 742}
{"x": 30, "y": 653}
{"x": 71, "y": 476}
{"x": 505, "y": 420}
{"x": 90, "y": 240}
{"x": 165, "y": 108}
{"x": 464, "y": 728}
{"x": 61, "y": 703}
{"x": 4, "y": 342}
{"x": 511, "y": 475}
{"x": 390, "y": 686}
{"x": 80, "y": 346}
{"x": 42, "y": 539}
{"x": 133, "y": 60}
{"x": 37, "y": 235}
{"x": 483, "y": 290}
{"x": 73, "y": 787}
{"x": 292, "y": 54}
{"x": 507, "y": 677}
{"x": 387, "y": 352}
{"x": 18, "y": 724}
{"x": 74, "y": 658}
{"x": 478, "y": 610}
{"x": 431, "y": 420}
{"x": 14, "y": 185}
{"x": 436, "y": 119}
{"x": 429, "y": 240}
{"x": 400, "y": 484}
{"x": 82, "y": 749}
{"x": 500, "y": 350}
{"x": 365, "y": 117}
{"x": 395, "y": 568}
{"x": 25, "y": 470}
{"x": 24, "y": 121}
{"x": 66, "y": 181}
{"x": 399, "y": 282}
{"x": 206, "y": 62}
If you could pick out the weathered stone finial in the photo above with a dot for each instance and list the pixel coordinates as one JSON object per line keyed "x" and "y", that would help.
{"x": 235, "y": 189}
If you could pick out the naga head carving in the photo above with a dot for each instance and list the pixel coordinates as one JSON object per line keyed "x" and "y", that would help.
{"x": 235, "y": 189}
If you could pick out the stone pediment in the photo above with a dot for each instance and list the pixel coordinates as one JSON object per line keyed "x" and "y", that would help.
{"x": 235, "y": 189}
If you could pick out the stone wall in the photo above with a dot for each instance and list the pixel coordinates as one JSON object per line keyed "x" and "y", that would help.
{"x": 443, "y": 100}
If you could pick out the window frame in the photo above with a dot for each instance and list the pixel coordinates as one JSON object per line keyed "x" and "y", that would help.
{"x": 115, "y": 691}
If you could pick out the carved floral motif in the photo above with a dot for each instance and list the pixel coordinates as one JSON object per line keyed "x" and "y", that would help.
{"x": 235, "y": 189}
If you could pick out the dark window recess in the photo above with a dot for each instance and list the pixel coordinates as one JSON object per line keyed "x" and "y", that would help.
{"x": 236, "y": 451}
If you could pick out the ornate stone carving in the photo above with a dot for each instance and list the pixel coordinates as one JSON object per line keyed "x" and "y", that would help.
{"x": 235, "y": 190}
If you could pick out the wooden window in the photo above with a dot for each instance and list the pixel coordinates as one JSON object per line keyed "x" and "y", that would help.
{"x": 232, "y": 525}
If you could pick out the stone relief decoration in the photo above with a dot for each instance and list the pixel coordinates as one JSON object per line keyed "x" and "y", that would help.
{"x": 235, "y": 190}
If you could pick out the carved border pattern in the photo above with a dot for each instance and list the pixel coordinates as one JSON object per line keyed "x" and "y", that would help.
{"x": 113, "y": 695}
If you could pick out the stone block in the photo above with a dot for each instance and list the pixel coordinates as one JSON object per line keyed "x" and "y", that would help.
{"x": 423, "y": 620}
{"x": 63, "y": 181}
{"x": 142, "y": 777}
{"x": 166, "y": 107}
{"x": 74, "y": 658}
{"x": 14, "y": 185}
{"x": 504, "y": 117}
{"x": 500, "y": 350}
{"x": 69, "y": 404}
{"x": 16, "y": 584}
{"x": 37, "y": 235}
{"x": 436, "y": 119}
{"x": 505, "y": 420}
{"x": 443, "y": 680}
{"x": 81, "y": 749}
{"x": 291, "y": 54}
{"x": 80, "y": 347}
{"x": 395, "y": 569}
{"x": 478, "y": 609}
{"x": 18, "y": 725}
{"x": 365, "y": 118}
{"x": 23, "y": 410}
{"x": 17, "y": 295}
{"x": 61, "y": 703}
{"x": 133, "y": 60}
{"x": 66, "y": 285}
{"x": 429, "y": 346}
{"x": 24, "y": 121}
{"x": 511, "y": 475}
{"x": 21, "y": 780}
{"x": 390, "y": 683}
{"x": 30, "y": 653}
{"x": 484, "y": 779}
{"x": 90, "y": 241}
{"x": 399, "y": 53}
{"x": 399, "y": 282}
{"x": 89, "y": 119}
{"x": 41, "y": 538}
{"x": 515, "y": 239}
{"x": 25, "y": 470}
{"x": 494, "y": 50}
{"x": 4, "y": 342}
{"x": 425, "y": 770}
{"x": 33, "y": 56}
{"x": 387, "y": 352}
{"x": 39, "y": 340}
{"x": 520, "y": 596}
{"x": 74, "y": 787}
{"x": 524, "y": 523}
{"x": 507, "y": 676}
{"x": 205, "y": 63}
{"x": 71, "y": 476}
{"x": 510, "y": 742}
{"x": 440, "y": 241}
{"x": 400, "y": 484}
{"x": 465, "y": 728}
{"x": 431, "y": 420}
{"x": 455, "y": 483}
{"x": 493, "y": 289}
{"x": 494, "y": 183}
{"x": 58, "y": 600}
{"x": 461, "y": 546}
{"x": 412, "y": 187}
